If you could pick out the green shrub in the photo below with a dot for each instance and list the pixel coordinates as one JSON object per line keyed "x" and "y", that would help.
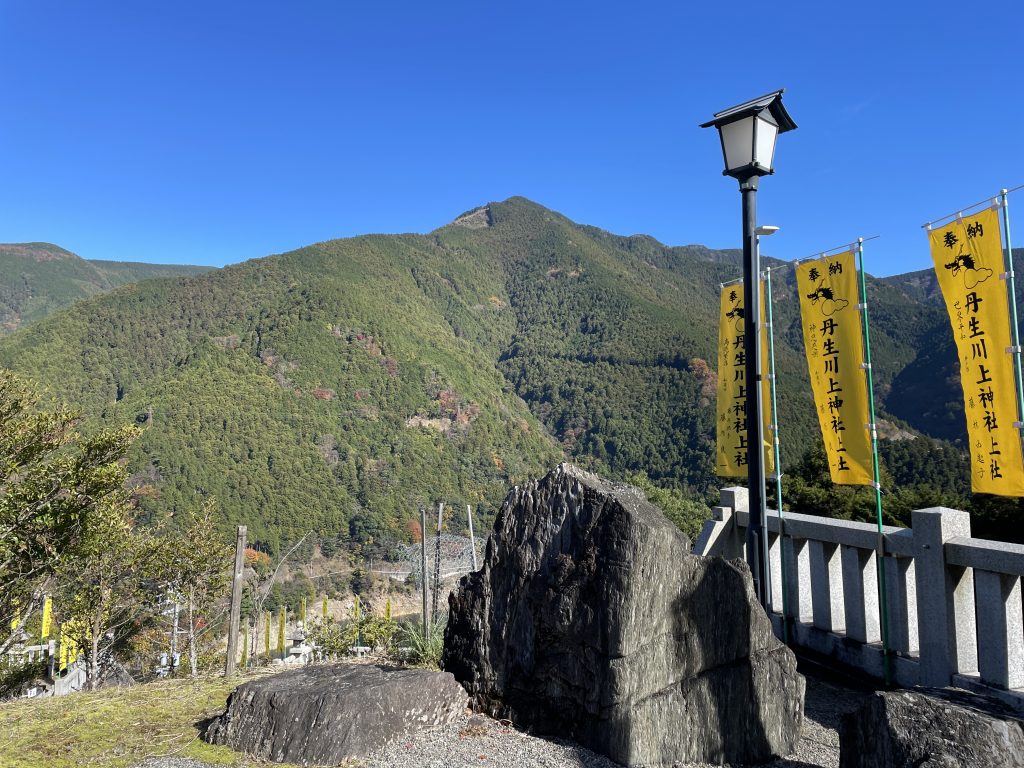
{"x": 420, "y": 651}
{"x": 16, "y": 678}
{"x": 328, "y": 638}
{"x": 333, "y": 639}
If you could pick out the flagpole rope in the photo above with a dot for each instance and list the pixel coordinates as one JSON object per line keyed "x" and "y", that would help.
{"x": 987, "y": 202}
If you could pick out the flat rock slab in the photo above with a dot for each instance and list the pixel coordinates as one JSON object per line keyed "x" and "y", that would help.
{"x": 591, "y": 619}
{"x": 321, "y": 715}
{"x": 931, "y": 728}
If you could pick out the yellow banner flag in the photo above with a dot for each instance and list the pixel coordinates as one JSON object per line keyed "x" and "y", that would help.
{"x": 731, "y": 450}
{"x": 968, "y": 257}
{"x": 47, "y": 617}
{"x": 68, "y": 646}
{"x": 835, "y": 356}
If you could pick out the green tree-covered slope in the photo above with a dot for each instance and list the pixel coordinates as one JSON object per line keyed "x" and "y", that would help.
{"x": 336, "y": 387}
{"x": 313, "y": 390}
{"x": 614, "y": 339}
{"x": 38, "y": 278}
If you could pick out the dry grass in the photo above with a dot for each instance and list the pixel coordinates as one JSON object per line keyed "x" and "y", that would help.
{"x": 116, "y": 728}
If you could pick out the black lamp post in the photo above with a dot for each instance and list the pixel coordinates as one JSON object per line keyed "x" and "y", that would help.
{"x": 748, "y": 132}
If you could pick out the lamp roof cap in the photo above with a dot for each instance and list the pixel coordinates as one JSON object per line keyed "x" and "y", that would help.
{"x": 771, "y": 101}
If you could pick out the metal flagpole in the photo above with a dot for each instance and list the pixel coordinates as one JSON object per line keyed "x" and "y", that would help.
{"x": 880, "y": 549}
{"x": 1004, "y": 200}
{"x": 423, "y": 567}
{"x": 437, "y": 561}
{"x": 775, "y": 446}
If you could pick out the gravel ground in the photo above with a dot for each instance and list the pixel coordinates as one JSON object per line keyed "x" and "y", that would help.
{"x": 480, "y": 741}
{"x": 824, "y": 706}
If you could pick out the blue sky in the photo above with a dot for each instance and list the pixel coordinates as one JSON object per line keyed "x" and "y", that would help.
{"x": 212, "y": 132}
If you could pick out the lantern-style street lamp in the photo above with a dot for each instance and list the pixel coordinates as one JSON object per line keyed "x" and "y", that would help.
{"x": 748, "y": 132}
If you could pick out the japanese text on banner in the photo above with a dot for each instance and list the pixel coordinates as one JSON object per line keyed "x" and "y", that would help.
{"x": 835, "y": 357}
{"x": 731, "y": 450}
{"x": 968, "y": 258}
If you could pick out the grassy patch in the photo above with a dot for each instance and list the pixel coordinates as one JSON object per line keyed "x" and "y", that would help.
{"x": 116, "y": 728}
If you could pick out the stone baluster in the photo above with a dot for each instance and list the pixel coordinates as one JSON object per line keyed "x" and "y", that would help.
{"x": 827, "y": 586}
{"x": 901, "y": 599}
{"x": 775, "y": 571}
{"x": 1001, "y": 642}
{"x": 860, "y": 590}
{"x": 798, "y": 577}
{"x": 945, "y": 597}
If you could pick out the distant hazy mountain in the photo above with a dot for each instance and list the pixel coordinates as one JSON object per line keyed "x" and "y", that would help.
{"x": 38, "y": 278}
{"x": 337, "y": 387}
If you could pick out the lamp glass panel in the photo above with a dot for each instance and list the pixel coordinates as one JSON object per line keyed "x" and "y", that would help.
{"x": 767, "y": 132}
{"x": 738, "y": 142}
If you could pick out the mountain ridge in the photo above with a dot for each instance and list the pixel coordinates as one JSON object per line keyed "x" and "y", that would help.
{"x": 37, "y": 279}
{"x": 353, "y": 379}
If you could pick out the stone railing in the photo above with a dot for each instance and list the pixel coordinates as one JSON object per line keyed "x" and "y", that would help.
{"x": 953, "y": 602}
{"x": 73, "y": 679}
{"x": 20, "y": 655}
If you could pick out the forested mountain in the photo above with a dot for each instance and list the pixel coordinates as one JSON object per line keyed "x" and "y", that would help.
{"x": 38, "y": 278}
{"x": 337, "y": 387}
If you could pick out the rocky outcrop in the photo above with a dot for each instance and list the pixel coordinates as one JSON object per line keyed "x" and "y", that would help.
{"x": 322, "y": 715}
{"x": 478, "y": 218}
{"x": 931, "y": 728}
{"x": 591, "y": 619}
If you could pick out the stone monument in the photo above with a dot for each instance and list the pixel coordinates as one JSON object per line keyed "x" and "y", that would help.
{"x": 591, "y": 619}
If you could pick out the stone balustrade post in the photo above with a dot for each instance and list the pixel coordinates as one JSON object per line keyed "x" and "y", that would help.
{"x": 945, "y": 597}
{"x": 737, "y": 499}
{"x": 715, "y": 538}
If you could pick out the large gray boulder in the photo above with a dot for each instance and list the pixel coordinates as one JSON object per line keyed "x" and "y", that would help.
{"x": 931, "y": 728}
{"x": 321, "y": 715}
{"x": 591, "y": 619}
